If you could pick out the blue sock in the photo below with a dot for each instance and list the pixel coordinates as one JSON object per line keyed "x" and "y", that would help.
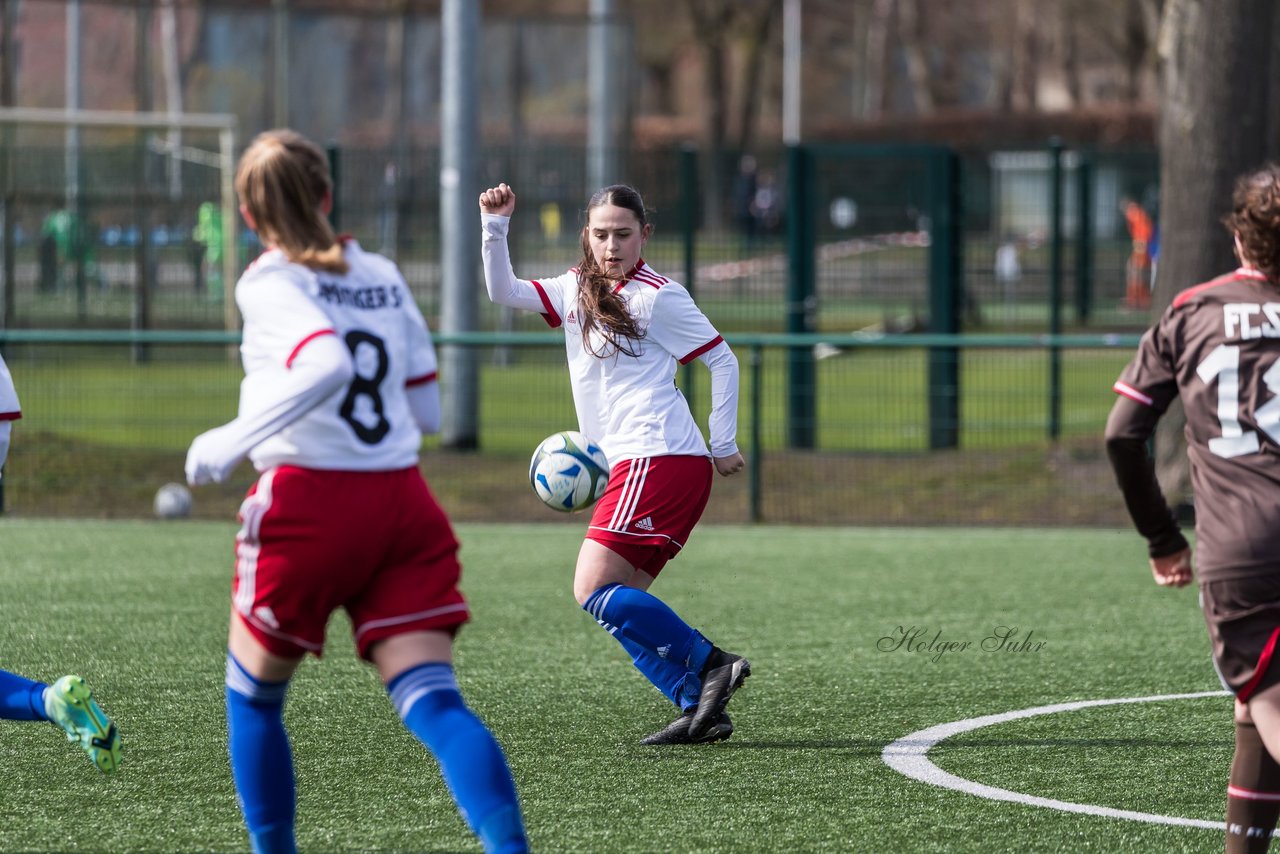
{"x": 678, "y": 685}
{"x": 646, "y": 621}
{"x": 21, "y": 699}
{"x": 261, "y": 762}
{"x": 427, "y": 700}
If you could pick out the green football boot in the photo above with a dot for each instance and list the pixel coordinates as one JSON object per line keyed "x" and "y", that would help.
{"x": 69, "y": 703}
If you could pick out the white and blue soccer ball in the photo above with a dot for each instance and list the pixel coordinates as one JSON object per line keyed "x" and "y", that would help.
{"x": 173, "y": 501}
{"x": 568, "y": 471}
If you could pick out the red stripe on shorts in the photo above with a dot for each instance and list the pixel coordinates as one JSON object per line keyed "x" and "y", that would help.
{"x": 1264, "y": 661}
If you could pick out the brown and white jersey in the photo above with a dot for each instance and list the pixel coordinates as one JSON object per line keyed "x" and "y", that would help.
{"x": 1218, "y": 348}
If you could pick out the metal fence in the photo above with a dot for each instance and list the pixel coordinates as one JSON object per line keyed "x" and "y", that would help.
{"x": 102, "y": 430}
{"x": 870, "y": 294}
{"x": 135, "y": 228}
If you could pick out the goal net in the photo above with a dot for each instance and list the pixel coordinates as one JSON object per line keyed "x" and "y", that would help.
{"x": 117, "y": 219}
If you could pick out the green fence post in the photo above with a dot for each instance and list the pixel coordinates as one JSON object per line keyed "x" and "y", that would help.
{"x": 688, "y": 234}
{"x": 335, "y": 173}
{"x": 801, "y": 251}
{"x": 1055, "y": 287}
{"x": 1084, "y": 239}
{"x": 945, "y": 283}
{"x": 754, "y": 474}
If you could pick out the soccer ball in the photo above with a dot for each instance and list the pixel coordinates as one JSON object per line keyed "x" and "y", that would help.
{"x": 568, "y": 471}
{"x": 173, "y": 501}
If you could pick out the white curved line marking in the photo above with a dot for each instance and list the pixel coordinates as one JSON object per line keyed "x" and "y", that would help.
{"x": 908, "y": 756}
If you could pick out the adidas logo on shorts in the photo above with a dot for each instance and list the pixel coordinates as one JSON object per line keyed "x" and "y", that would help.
{"x": 645, "y": 524}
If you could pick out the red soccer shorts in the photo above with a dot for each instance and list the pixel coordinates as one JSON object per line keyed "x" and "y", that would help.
{"x": 375, "y": 543}
{"x": 650, "y": 507}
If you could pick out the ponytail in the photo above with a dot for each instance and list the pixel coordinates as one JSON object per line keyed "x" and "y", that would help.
{"x": 283, "y": 180}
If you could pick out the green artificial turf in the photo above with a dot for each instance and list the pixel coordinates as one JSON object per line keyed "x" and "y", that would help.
{"x": 140, "y": 609}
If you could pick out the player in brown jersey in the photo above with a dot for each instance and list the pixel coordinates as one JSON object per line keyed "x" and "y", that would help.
{"x": 1218, "y": 348}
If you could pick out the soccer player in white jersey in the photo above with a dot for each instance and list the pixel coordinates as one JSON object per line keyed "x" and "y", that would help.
{"x": 340, "y": 382}
{"x": 626, "y": 327}
{"x": 68, "y": 702}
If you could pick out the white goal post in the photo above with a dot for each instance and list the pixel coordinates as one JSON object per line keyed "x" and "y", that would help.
{"x": 224, "y": 124}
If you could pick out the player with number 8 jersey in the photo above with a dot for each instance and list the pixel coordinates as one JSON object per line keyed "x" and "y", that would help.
{"x": 340, "y": 384}
{"x": 1217, "y": 347}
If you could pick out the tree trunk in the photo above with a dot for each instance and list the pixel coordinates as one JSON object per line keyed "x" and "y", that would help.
{"x": 1069, "y": 56}
{"x": 711, "y": 22}
{"x": 877, "y": 58}
{"x": 1213, "y": 126}
{"x": 1004, "y": 41}
{"x": 1137, "y": 46}
{"x": 716, "y": 113}
{"x": 1026, "y": 57}
{"x": 913, "y": 50}
{"x": 753, "y": 70}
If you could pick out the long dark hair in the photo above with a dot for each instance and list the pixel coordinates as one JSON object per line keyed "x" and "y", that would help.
{"x": 601, "y": 306}
{"x": 1255, "y": 216}
{"x": 282, "y": 180}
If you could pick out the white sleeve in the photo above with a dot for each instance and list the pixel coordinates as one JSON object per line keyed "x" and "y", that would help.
{"x": 679, "y": 326}
{"x": 279, "y": 316}
{"x": 423, "y": 362}
{"x": 500, "y": 279}
{"x": 424, "y": 404}
{"x": 271, "y": 400}
{"x": 723, "y": 422}
{"x": 422, "y": 390}
{"x": 302, "y": 361}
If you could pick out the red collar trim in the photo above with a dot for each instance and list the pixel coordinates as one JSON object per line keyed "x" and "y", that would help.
{"x": 631, "y": 274}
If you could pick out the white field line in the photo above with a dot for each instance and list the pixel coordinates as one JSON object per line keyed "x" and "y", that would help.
{"x": 908, "y": 756}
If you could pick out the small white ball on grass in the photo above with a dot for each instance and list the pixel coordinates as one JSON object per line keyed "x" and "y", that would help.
{"x": 173, "y": 501}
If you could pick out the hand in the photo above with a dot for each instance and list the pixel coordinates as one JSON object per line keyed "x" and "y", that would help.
{"x": 731, "y": 464}
{"x": 500, "y": 200}
{"x": 209, "y": 460}
{"x": 1172, "y": 570}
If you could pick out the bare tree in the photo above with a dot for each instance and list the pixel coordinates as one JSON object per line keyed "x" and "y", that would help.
{"x": 915, "y": 52}
{"x": 877, "y": 57}
{"x": 1068, "y": 52}
{"x": 1214, "y": 124}
{"x": 715, "y": 23}
{"x": 1003, "y": 35}
{"x": 755, "y": 47}
{"x": 1026, "y": 56}
{"x": 711, "y": 19}
{"x": 1137, "y": 44}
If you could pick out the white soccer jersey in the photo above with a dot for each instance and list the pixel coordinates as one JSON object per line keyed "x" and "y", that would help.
{"x": 9, "y": 408}
{"x": 366, "y": 425}
{"x": 629, "y": 404}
